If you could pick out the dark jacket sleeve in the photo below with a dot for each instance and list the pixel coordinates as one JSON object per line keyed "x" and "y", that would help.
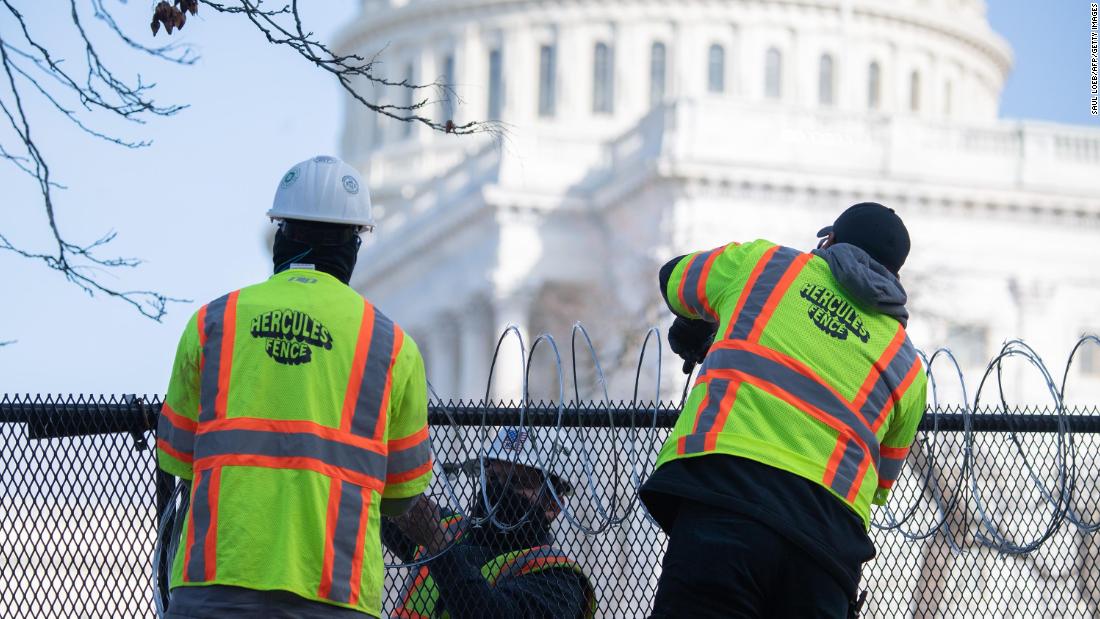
{"x": 664, "y": 275}
{"x": 396, "y": 542}
{"x": 556, "y": 593}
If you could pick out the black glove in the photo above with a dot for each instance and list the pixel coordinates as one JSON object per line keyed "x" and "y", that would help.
{"x": 691, "y": 339}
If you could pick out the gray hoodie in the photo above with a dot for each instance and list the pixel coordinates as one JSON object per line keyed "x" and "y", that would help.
{"x": 868, "y": 282}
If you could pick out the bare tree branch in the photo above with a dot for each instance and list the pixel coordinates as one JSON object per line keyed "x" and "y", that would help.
{"x": 283, "y": 26}
{"x": 76, "y": 93}
{"x": 29, "y": 67}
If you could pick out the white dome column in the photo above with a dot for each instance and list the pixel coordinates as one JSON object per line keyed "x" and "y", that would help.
{"x": 476, "y": 345}
{"x": 508, "y": 376}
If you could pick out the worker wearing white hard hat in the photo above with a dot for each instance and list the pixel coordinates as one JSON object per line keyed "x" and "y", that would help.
{"x": 498, "y": 560}
{"x": 515, "y": 446}
{"x": 296, "y": 416}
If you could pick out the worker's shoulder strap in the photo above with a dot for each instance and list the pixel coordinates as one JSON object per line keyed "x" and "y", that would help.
{"x": 527, "y": 561}
{"x": 538, "y": 559}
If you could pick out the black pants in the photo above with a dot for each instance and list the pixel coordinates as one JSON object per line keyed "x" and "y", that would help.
{"x": 721, "y": 564}
{"x": 221, "y": 601}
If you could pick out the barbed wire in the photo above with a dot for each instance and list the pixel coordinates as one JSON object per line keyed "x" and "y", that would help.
{"x": 960, "y": 495}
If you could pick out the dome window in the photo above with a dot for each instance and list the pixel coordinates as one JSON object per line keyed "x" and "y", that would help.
{"x": 874, "y": 86}
{"x": 657, "y": 73}
{"x": 548, "y": 70}
{"x": 716, "y": 69}
{"x": 448, "y": 102}
{"x": 826, "y": 82}
{"x": 773, "y": 74}
{"x": 914, "y": 91}
{"x": 603, "y": 80}
{"x": 407, "y": 101}
{"x": 496, "y": 84}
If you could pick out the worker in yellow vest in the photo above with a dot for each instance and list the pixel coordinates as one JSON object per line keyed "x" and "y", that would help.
{"x": 297, "y": 413}
{"x": 801, "y": 416}
{"x": 504, "y": 566}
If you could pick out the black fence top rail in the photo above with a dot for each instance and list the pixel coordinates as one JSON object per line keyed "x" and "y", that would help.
{"x": 132, "y": 414}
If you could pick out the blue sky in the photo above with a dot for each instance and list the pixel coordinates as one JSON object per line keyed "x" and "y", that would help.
{"x": 192, "y": 204}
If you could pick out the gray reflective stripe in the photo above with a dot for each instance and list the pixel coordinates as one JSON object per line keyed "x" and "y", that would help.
{"x": 345, "y": 541}
{"x": 797, "y": 384}
{"x": 758, "y": 295}
{"x": 212, "y": 327}
{"x": 368, "y": 405}
{"x": 200, "y": 524}
{"x": 716, "y": 391}
{"x": 890, "y": 468}
{"x": 405, "y": 460}
{"x": 291, "y": 445}
{"x": 847, "y": 469}
{"x": 691, "y": 281}
{"x": 890, "y": 379}
{"x": 179, "y": 439}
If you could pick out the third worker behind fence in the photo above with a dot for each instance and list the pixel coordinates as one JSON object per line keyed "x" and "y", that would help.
{"x": 498, "y": 561}
{"x": 801, "y": 416}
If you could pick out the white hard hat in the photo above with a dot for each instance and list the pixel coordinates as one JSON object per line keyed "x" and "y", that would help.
{"x": 323, "y": 189}
{"x": 516, "y": 445}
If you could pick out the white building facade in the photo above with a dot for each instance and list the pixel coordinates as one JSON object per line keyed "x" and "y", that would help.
{"x": 635, "y": 131}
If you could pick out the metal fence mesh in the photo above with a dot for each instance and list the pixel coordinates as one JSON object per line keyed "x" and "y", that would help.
{"x": 993, "y": 515}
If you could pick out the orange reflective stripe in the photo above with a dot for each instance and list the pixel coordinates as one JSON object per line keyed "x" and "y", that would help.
{"x": 893, "y": 459}
{"x": 894, "y": 453}
{"x": 190, "y": 543}
{"x": 211, "y": 547}
{"x": 178, "y": 455}
{"x": 683, "y": 283}
{"x": 367, "y": 395}
{"x": 776, "y": 294}
{"x": 896, "y": 395}
{"x": 330, "y": 533}
{"x": 711, "y": 440}
{"x": 175, "y": 434}
{"x": 701, "y": 290}
{"x": 293, "y": 463}
{"x": 357, "y": 558}
{"x": 411, "y": 474}
{"x": 200, "y": 556}
{"x": 292, "y": 427}
{"x": 682, "y": 443}
{"x": 215, "y": 332}
{"x": 178, "y": 420}
{"x": 200, "y": 321}
{"x": 858, "y": 481}
{"x": 345, "y": 524}
{"x": 834, "y": 460}
{"x": 755, "y": 275}
{"x": 504, "y": 569}
{"x": 358, "y": 365}
{"x": 542, "y": 563}
{"x": 230, "y": 331}
{"x": 879, "y": 366}
{"x": 380, "y": 423}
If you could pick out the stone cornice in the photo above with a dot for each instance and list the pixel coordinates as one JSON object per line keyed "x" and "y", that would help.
{"x": 437, "y": 13}
{"x": 776, "y": 184}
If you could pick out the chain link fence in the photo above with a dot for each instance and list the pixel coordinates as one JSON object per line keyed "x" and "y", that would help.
{"x": 993, "y": 516}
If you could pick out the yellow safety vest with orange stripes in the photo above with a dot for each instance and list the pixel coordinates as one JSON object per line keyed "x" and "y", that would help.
{"x": 294, "y": 408}
{"x": 420, "y": 597}
{"x": 800, "y": 377}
